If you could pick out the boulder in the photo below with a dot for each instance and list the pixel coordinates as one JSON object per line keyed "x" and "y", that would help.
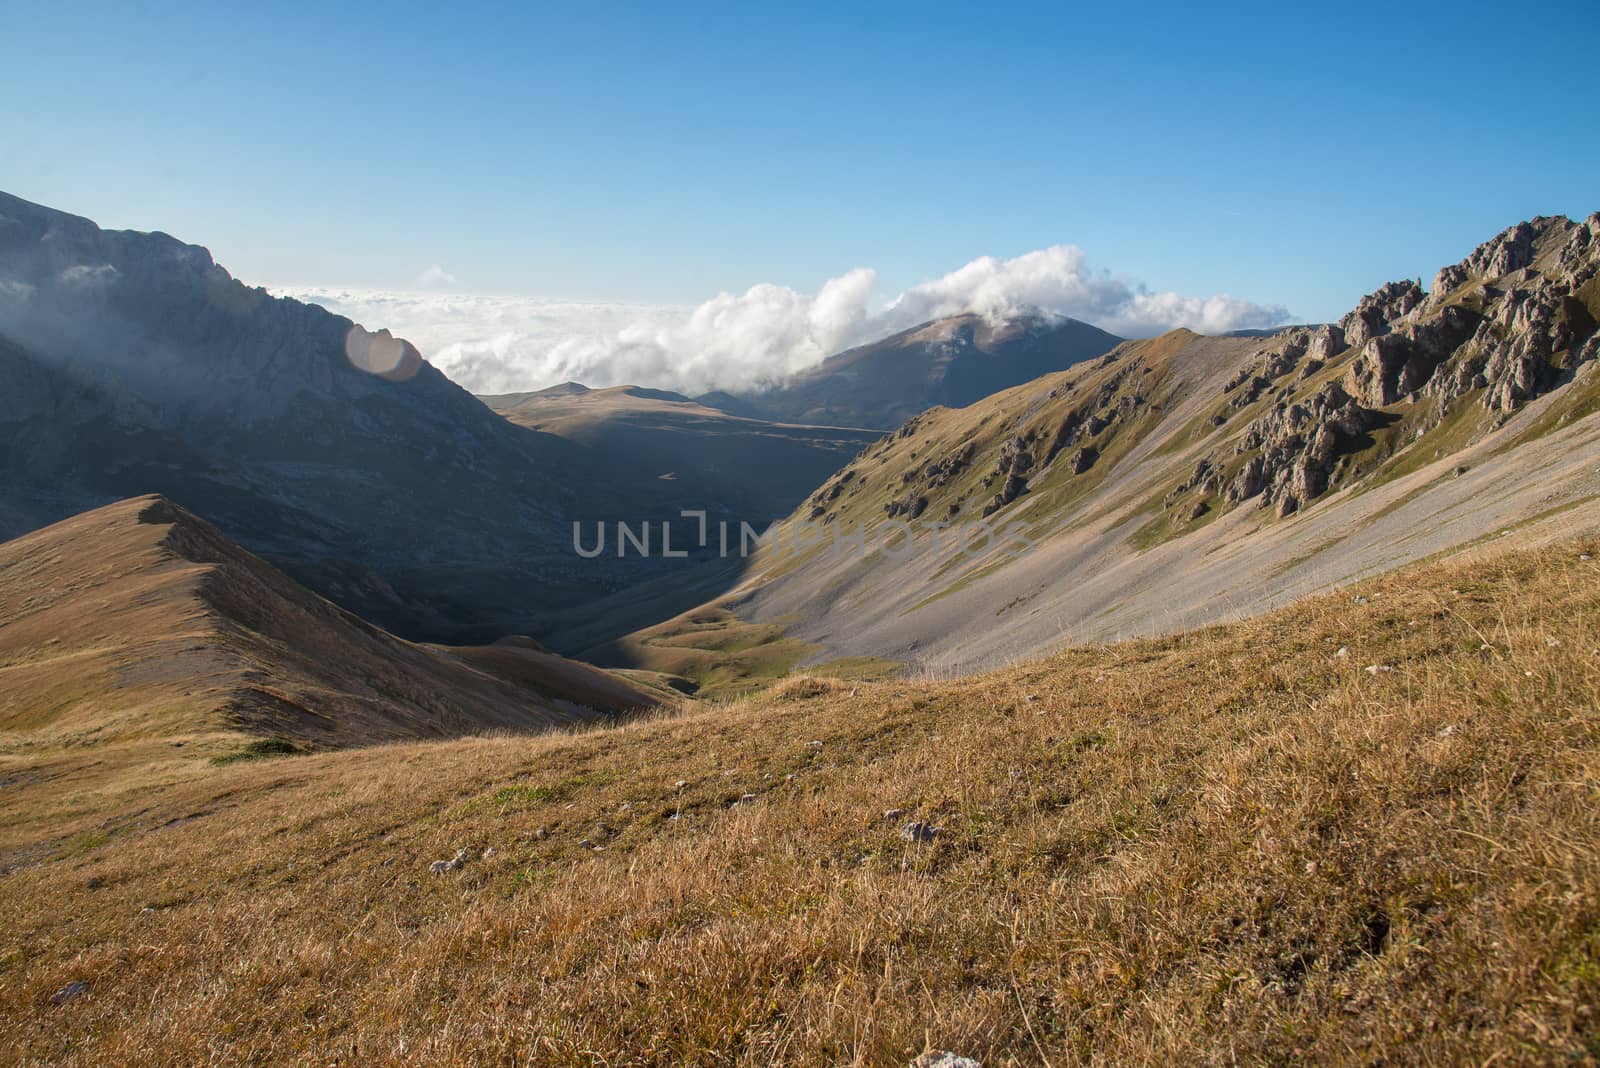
{"x": 1376, "y": 312}
{"x": 71, "y": 992}
{"x": 1248, "y": 482}
{"x": 1374, "y": 377}
{"x": 1326, "y": 343}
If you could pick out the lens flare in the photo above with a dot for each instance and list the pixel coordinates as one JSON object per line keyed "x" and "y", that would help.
{"x": 391, "y": 358}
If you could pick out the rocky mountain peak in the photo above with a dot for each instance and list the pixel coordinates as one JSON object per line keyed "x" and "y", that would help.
{"x": 1375, "y": 312}
{"x": 1509, "y": 323}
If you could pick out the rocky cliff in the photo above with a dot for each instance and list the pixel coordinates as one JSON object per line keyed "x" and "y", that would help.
{"x": 1508, "y": 324}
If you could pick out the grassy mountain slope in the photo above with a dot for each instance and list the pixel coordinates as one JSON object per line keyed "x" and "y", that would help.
{"x": 1352, "y": 831}
{"x": 140, "y": 622}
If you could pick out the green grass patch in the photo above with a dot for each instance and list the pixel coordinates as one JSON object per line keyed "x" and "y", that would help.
{"x": 520, "y": 794}
{"x": 859, "y": 668}
{"x": 1457, "y": 430}
{"x": 80, "y": 844}
{"x": 721, "y": 655}
{"x": 260, "y": 749}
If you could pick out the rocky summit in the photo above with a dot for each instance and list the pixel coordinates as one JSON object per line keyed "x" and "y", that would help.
{"x": 1506, "y": 325}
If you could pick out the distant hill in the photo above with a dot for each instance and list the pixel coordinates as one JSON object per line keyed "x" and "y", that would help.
{"x": 951, "y": 362}
{"x": 758, "y": 470}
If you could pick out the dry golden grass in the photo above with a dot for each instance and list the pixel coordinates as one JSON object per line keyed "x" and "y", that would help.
{"x": 138, "y": 621}
{"x": 1231, "y": 846}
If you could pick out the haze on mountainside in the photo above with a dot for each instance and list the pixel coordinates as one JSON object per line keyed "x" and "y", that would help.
{"x": 137, "y": 365}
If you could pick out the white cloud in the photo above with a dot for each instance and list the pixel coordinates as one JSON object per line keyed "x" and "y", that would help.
{"x": 436, "y": 277}
{"x": 762, "y": 336}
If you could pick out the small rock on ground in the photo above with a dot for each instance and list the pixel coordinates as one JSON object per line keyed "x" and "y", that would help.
{"x": 441, "y": 867}
{"x": 918, "y": 831}
{"x": 944, "y": 1059}
{"x": 74, "y": 989}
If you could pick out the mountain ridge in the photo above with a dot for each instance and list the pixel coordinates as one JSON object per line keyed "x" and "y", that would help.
{"x": 952, "y": 361}
{"x": 754, "y": 469}
{"x": 140, "y": 620}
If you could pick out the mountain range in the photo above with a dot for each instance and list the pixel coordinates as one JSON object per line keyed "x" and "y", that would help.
{"x": 1163, "y": 700}
{"x": 1182, "y": 480}
{"x": 134, "y": 364}
{"x": 1155, "y": 483}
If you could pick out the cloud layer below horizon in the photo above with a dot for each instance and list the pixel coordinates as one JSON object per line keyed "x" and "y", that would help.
{"x": 760, "y": 337}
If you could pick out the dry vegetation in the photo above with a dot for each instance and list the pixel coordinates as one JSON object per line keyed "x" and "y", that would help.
{"x": 139, "y": 621}
{"x": 1233, "y": 845}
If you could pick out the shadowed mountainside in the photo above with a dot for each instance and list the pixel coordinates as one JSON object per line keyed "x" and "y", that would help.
{"x": 756, "y": 470}
{"x": 134, "y": 364}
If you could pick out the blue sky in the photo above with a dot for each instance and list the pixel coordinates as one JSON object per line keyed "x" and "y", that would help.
{"x": 1279, "y": 153}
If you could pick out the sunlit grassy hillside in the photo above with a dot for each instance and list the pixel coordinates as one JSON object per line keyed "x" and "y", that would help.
{"x": 1360, "y": 830}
